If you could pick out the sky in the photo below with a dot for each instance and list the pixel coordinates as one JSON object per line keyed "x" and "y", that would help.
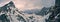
{"x": 29, "y": 4}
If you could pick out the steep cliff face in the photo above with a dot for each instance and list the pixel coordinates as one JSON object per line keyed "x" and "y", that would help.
{"x": 55, "y": 16}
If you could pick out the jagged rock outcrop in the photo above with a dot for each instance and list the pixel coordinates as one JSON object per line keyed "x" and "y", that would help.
{"x": 55, "y": 16}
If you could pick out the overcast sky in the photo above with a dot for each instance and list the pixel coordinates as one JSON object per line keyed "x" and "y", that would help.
{"x": 29, "y": 4}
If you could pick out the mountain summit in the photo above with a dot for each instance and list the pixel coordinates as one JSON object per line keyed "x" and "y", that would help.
{"x": 7, "y": 7}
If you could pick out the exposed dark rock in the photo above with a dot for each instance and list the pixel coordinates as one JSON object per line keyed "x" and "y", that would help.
{"x": 55, "y": 16}
{"x": 3, "y": 18}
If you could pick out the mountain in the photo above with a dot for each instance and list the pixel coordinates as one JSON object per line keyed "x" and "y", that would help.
{"x": 9, "y": 12}
{"x": 55, "y": 16}
{"x": 55, "y": 10}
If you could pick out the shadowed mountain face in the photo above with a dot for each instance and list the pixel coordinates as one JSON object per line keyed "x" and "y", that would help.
{"x": 55, "y": 16}
{"x": 3, "y": 18}
{"x": 57, "y": 3}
